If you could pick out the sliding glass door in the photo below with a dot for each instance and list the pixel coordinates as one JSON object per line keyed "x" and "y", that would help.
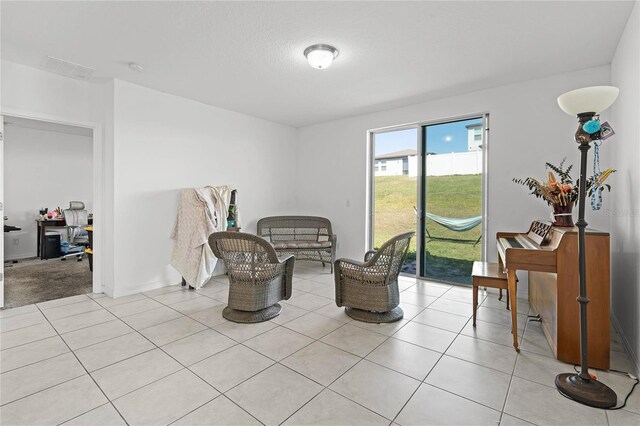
{"x": 430, "y": 178}
{"x": 452, "y": 199}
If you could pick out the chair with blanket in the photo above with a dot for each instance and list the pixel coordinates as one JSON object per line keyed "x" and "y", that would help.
{"x": 369, "y": 289}
{"x": 258, "y": 279}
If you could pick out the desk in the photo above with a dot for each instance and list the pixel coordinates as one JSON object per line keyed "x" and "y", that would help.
{"x": 42, "y": 226}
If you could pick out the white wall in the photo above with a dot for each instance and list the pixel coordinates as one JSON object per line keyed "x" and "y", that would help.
{"x": 527, "y": 129}
{"x": 33, "y": 91}
{"x": 625, "y": 205}
{"x": 42, "y": 169}
{"x": 162, "y": 143}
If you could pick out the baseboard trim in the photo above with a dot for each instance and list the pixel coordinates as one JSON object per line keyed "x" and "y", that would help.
{"x": 147, "y": 287}
{"x": 627, "y": 345}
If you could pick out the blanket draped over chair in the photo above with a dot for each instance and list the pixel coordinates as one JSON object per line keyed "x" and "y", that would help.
{"x": 201, "y": 212}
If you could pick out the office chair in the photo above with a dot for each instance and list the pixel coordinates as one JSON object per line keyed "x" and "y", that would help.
{"x": 76, "y": 220}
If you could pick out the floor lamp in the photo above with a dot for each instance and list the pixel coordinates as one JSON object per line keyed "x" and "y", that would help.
{"x": 585, "y": 104}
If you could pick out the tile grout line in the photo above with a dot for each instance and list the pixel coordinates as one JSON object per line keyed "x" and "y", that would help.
{"x": 187, "y": 367}
{"x": 43, "y": 389}
{"x": 327, "y": 387}
{"x": 35, "y": 362}
{"x": 296, "y": 372}
{"x": 444, "y": 353}
{"x": 163, "y": 377}
{"x": 434, "y": 365}
{"x": 248, "y": 378}
{"x": 91, "y": 377}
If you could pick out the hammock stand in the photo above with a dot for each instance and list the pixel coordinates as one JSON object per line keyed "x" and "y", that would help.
{"x": 454, "y": 224}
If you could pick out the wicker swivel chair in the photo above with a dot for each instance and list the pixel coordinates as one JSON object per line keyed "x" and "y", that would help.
{"x": 258, "y": 279}
{"x": 369, "y": 289}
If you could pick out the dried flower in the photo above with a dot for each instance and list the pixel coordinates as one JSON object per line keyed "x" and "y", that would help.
{"x": 564, "y": 191}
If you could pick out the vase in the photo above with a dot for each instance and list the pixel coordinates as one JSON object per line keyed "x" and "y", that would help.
{"x": 563, "y": 215}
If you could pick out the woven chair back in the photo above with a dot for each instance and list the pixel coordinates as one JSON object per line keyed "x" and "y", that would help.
{"x": 391, "y": 255}
{"x": 244, "y": 255}
{"x": 287, "y": 228}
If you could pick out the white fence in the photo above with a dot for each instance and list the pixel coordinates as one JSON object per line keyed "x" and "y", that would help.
{"x": 455, "y": 163}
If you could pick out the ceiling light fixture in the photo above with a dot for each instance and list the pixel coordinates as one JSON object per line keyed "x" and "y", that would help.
{"x": 320, "y": 56}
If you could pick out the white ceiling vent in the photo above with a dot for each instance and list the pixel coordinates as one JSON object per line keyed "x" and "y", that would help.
{"x": 68, "y": 69}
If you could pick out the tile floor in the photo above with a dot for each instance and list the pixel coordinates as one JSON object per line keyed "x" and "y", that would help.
{"x": 168, "y": 357}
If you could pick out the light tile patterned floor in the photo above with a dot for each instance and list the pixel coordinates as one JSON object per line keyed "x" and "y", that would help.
{"x": 168, "y": 356}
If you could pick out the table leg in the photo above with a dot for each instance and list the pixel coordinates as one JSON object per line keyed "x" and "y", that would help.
{"x": 37, "y": 239}
{"x": 475, "y": 303}
{"x": 41, "y": 235}
{"x": 513, "y": 282}
{"x": 507, "y": 296}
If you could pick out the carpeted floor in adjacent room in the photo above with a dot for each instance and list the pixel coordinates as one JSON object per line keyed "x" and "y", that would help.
{"x": 34, "y": 281}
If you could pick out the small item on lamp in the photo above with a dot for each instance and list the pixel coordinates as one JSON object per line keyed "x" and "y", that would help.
{"x": 591, "y": 126}
{"x": 320, "y": 56}
{"x": 606, "y": 131}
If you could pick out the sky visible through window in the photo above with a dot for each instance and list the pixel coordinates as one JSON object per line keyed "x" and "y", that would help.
{"x": 441, "y": 138}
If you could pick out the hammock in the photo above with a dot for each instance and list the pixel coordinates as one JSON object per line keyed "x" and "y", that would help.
{"x": 458, "y": 225}
{"x": 454, "y": 224}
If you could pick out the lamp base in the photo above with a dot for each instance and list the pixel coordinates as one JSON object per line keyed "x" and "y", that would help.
{"x": 588, "y": 392}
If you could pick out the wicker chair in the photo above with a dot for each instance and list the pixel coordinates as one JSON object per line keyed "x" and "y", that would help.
{"x": 258, "y": 279}
{"x": 369, "y": 289}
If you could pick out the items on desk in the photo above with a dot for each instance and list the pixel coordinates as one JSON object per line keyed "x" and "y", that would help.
{"x": 45, "y": 214}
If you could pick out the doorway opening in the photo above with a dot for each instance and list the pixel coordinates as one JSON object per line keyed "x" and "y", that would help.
{"x": 48, "y": 206}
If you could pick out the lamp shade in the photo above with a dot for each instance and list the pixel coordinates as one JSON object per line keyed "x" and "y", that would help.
{"x": 593, "y": 99}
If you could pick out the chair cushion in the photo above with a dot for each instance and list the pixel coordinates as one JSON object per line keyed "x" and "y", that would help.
{"x": 300, "y": 244}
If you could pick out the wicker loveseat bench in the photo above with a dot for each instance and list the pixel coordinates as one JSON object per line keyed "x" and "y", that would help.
{"x": 306, "y": 237}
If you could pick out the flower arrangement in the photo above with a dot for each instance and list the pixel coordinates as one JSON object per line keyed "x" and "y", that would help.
{"x": 565, "y": 191}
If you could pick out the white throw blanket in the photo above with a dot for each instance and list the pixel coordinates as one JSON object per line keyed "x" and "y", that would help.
{"x": 201, "y": 212}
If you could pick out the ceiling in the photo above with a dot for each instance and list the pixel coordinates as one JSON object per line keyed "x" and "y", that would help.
{"x": 247, "y": 56}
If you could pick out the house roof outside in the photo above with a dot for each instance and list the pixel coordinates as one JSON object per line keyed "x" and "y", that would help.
{"x": 397, "y": 154}
{"x": 400, "y": 154}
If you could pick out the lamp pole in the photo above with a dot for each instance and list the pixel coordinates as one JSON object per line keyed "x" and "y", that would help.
{"x": 581, "y": 387}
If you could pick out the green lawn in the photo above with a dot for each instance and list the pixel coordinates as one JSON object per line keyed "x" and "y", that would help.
{"x": 458, "y": 196}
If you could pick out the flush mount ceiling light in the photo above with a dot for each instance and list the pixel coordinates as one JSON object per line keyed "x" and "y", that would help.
{"x": 320, "y": 56}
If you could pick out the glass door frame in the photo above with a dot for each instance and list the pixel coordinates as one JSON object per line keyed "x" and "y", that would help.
{"x": 421, "y": 182}
{"x": 370, "y": 181}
